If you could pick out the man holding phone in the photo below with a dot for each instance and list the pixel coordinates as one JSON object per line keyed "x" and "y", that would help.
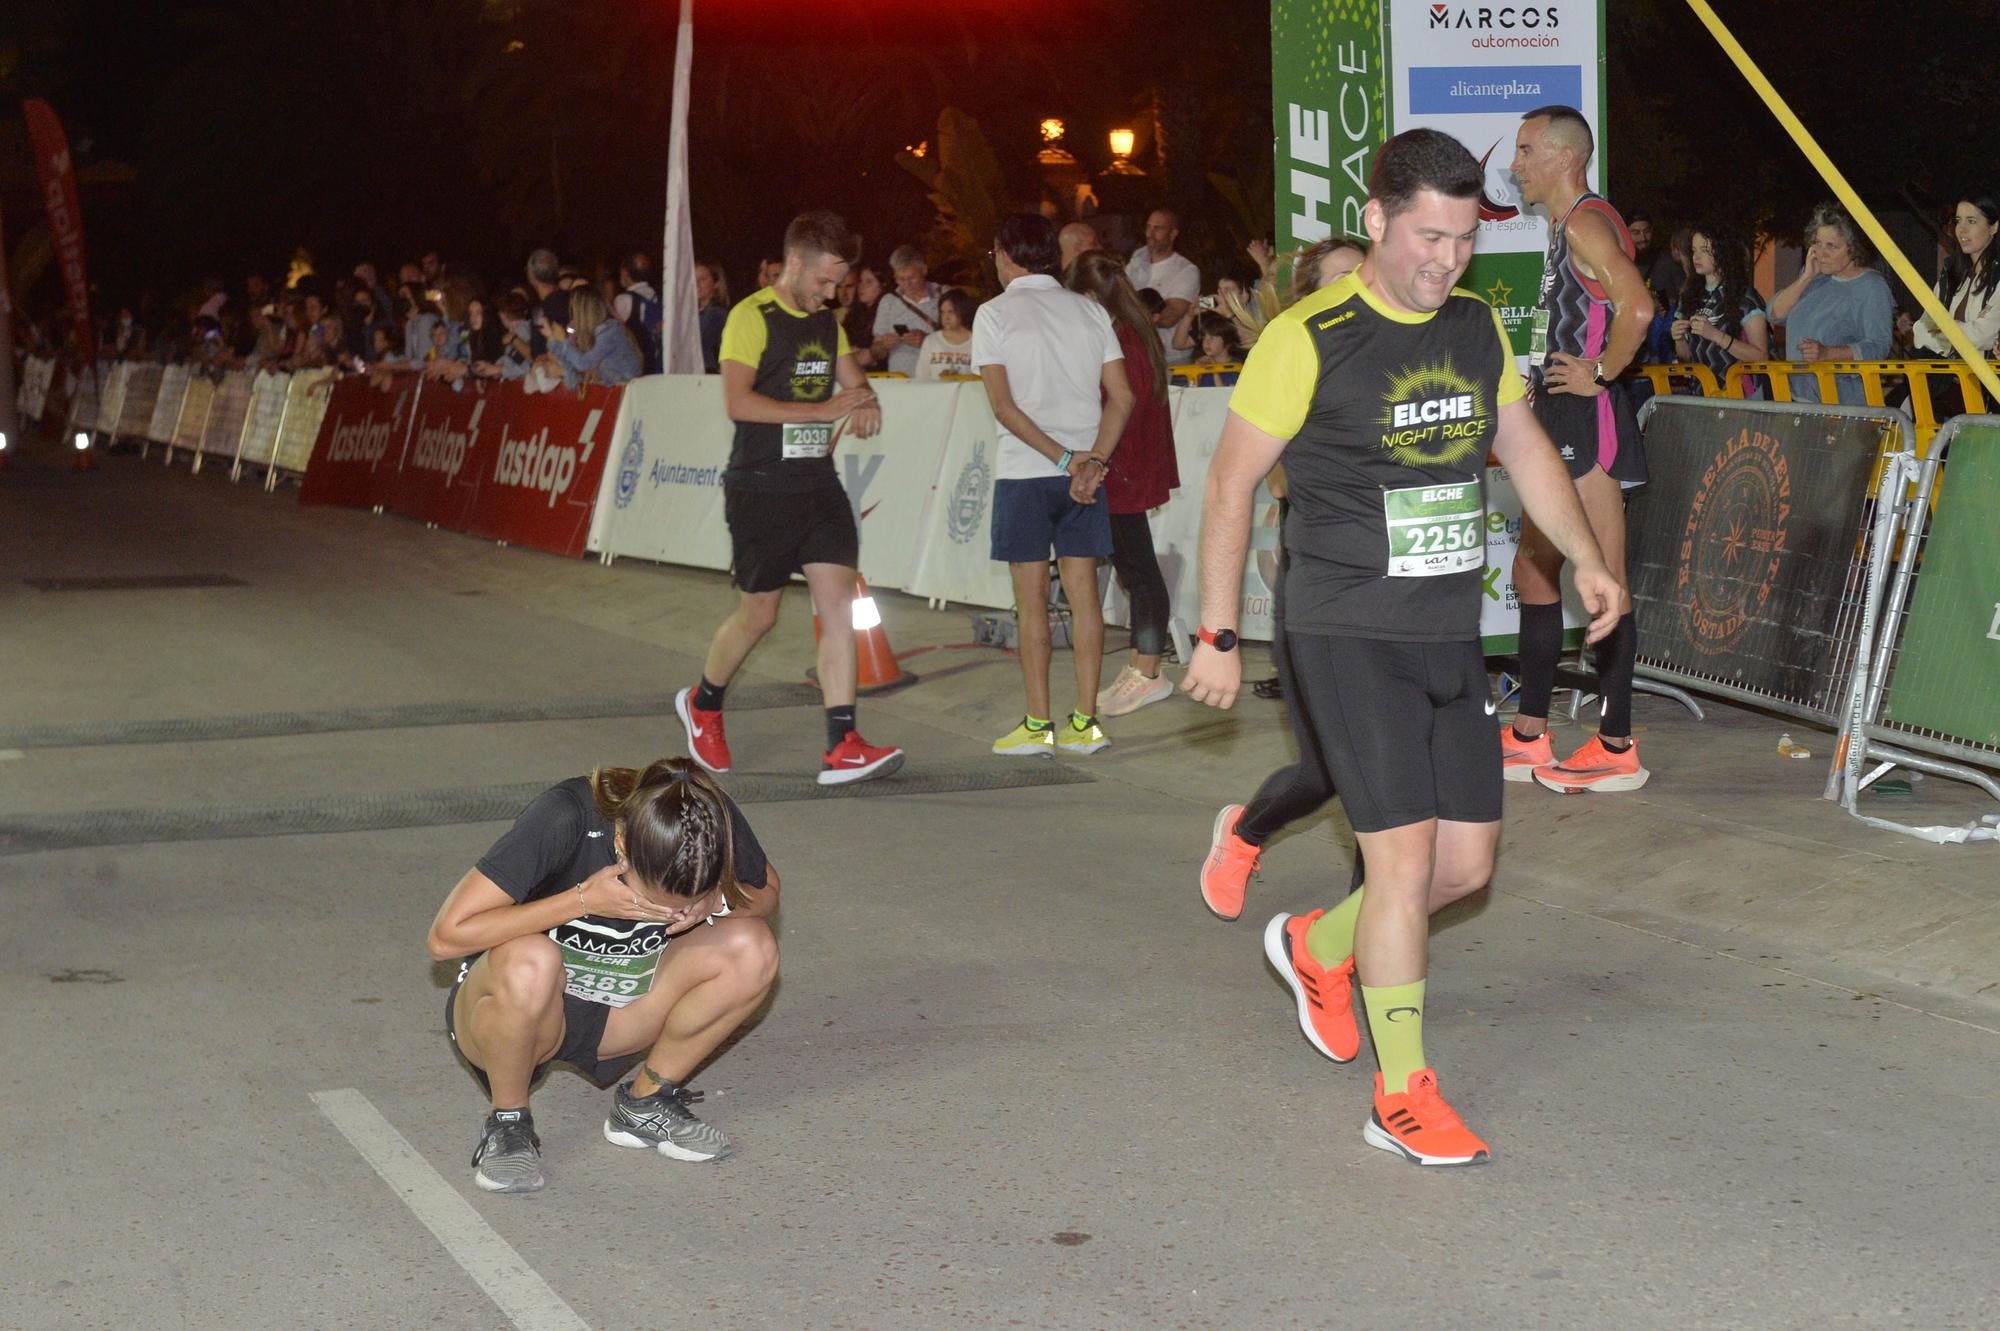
{"x": 783, "y": 352}
{"x": 907, "y": 314}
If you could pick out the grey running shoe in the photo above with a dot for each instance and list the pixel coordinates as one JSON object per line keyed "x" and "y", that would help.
{"x": 509, "y": 1158}
{"x": 663, "y": 1120}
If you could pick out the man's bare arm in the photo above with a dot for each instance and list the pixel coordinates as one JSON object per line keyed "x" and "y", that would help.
{"x": 1594, "y": 241}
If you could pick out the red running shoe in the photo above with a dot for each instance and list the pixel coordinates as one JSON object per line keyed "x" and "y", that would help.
{"x": 1418, "y": 1125}
{"x": 857, "y": 760}
{"x": 1231, "y": 860}
{"x": 705, "y": 741}
{"x": 1325, "y": 996}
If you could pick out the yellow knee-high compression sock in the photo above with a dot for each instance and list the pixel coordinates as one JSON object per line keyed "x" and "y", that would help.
{"x": 1331, "y": 938}
{"x": 1396, "y": 1021}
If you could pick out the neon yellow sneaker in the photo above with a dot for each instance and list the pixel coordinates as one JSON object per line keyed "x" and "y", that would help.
{"x": 1026, "y": 741}
{"x": 1081, "y": 735}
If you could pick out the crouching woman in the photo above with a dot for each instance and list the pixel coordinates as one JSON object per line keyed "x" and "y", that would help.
{"x": 621, "y": 920}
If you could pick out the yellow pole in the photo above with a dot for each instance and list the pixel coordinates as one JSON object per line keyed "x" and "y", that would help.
{"x": 1974, "y": 356}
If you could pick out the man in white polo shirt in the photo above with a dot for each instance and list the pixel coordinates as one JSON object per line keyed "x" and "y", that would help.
{"x": 1055, "y": 376}
{"x": 1154, "y": 264}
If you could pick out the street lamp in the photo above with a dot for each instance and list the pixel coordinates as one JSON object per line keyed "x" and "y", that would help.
{"x": 1121, "y": 154}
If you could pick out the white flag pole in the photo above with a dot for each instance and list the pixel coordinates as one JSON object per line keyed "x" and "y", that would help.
{"x": 680, "y": 334}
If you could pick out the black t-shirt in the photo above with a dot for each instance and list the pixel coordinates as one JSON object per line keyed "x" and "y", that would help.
{"x": 559, "y": 840}
{"x": 795, "y": 356}
{"x": 1389, "y": 415}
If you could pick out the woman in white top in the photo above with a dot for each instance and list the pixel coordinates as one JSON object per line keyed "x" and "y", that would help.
{"x": 949, "y": 349}
{"x": 1969, "y": 286}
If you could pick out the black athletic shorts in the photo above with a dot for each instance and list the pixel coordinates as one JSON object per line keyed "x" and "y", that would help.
{"x": 583, "y": 1032}
{"x": 774, "y": 534}
{"x": 1406, "y": 728}
{"x": 1601, "y": 431}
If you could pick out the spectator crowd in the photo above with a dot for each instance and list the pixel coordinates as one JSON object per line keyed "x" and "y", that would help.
{"x": 556, "y": 326}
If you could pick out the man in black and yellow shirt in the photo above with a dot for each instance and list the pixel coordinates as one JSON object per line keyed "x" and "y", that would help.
{"x": 783, "y": 352}
{"x": 1383, "y": 395}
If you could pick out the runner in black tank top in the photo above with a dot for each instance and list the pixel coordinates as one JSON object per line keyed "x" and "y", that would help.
{"x": 1591, "y": 322}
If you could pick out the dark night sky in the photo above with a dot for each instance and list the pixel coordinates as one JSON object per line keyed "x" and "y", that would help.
{"x": 363, "y": 129}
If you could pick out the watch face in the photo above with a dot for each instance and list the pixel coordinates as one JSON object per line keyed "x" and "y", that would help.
{"x": 1225, "y": 640}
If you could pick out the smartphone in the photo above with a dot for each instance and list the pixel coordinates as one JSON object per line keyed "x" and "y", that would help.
{"x": 1207, "y": 302}
{"x": 902, "y": 329}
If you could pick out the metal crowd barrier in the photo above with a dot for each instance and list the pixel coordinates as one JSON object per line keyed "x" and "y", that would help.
{"x": 1925, "y": 692}
{"x": 1750, "y": 548}
{"x": 1876, "y": 376}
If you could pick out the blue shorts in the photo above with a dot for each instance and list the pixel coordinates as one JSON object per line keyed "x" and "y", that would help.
{"x": 1032, "y": 516}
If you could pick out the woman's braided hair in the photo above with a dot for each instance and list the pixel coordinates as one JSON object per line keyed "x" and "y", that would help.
{"x": 676, "y": 826}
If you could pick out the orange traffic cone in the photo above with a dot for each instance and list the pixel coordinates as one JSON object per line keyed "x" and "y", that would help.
{"x": 86, "y": 456}
{"x": 875, "y": 663}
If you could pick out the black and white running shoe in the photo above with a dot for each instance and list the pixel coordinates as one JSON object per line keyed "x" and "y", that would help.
{"x": 663, "y": 1120}
{"x": 509, "y": 1156}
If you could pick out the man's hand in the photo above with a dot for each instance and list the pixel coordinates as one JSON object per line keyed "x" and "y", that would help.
{"x": 848, "y": 400}
{"x": 1571, "y": 374}
{"x": 1602, "y": 597}
{"x": 1809, "y": 349}
{"x": 1262, "y": 255}
{"x": 910, "y": 339}
{"x": 1086, "y": 475}
{"x": 1215, "y": 677}
{"x": 867, "y": 421}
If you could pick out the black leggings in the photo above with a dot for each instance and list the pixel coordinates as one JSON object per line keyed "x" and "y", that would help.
{"x": 1138, "y": 570}
{"x": 1294, "y": 792}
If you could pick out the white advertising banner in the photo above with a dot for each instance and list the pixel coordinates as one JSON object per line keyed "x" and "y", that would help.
{"x": 955, "y": 556}
{"x": 305, "y": 408}
{"x": 267, "y": 412}
{"x": 193, "y": 418}
{"x": 1473, "y": 70}
{"x": 142, "y": 391}
{"x": 111, "y": 397}
{"x": 224, "y": 430}
{"x": 662, "y": 495}
{"x": 167, "y": 404}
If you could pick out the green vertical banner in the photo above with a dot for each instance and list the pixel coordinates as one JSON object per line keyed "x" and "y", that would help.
{"x": 1947, "y": 676}
{"x": 1327, "y": 109}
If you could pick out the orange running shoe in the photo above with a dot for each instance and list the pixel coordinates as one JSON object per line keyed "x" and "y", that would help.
{"x": 1594, "y": 767}
{"x": 1519, "y": 758}
{"x": 1326, "y": 997}
{"x": 1419, "y": 1126}
{"x": 1225, "y": 874}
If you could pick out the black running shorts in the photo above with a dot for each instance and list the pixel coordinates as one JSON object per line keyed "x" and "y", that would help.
{"x": 1600, "y": 431}
{"x": 774, "y": 534}
{"x": 583, "y": 1032}
{"x": 1406, "y": 728}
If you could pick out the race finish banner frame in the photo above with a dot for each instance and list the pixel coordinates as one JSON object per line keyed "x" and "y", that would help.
{"x": 1473, "y": 70}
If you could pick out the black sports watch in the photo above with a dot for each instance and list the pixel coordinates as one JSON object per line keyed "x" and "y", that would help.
{"x": 1223, "y": 640}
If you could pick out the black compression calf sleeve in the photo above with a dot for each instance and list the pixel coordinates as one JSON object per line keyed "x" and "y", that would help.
{"x": 1541, "y": 644}
{"x": 1615, "y": 657}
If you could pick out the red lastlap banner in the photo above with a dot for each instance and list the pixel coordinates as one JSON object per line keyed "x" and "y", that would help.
{"x": 58, "y": 179}
{"x": 491, "y": 460}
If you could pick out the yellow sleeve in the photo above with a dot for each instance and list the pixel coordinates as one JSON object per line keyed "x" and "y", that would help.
{"x": 744, "y": 336}
{"x": 844, "y": 347}
{"x": 1511, "y": 387}
{"x": 1275, "y": 389}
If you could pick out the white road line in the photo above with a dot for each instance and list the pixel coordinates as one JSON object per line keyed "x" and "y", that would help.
{"x": 490, "y": 1260}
